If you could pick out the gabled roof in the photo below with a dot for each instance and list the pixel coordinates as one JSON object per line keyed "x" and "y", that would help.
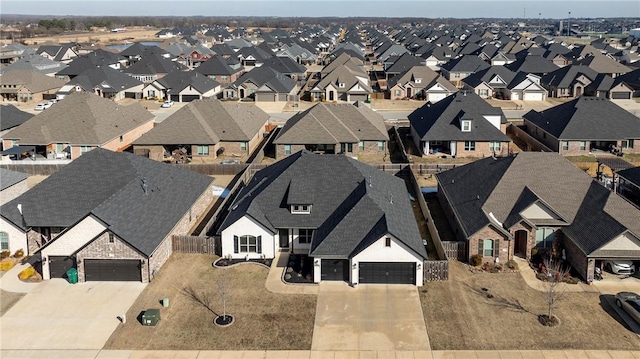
{"x": 564, "y": 76}
{"x": 603, "y": 64}
{"x": 137, "y": 49}
{"x": 532, "y": 65}
{"x": 216, "y": 66}
{"x": 427, "y": 78}
{"x": 266, "y": 76}
{"x": 207, "y": 122}
{"x": 631, "y": 79}
{"x": 345, "y": 75}
{"x": 602, "y": 82}
{"x": 333, "y": 124}
{"x": 179, "y": 80}
{"x": 285, "y": 65}
{"x": 9, "y": 177}
{"x": 346, "y": 60}
{"x": 33, "y": 80}
{"x": 152, "y": 63}
{"x": 467, "y": 63}
{"x": 97, "y": 58}
{"x": 404, "y": 63}
{"x": 500, "y": 75}
{"x": 108, "y": 185}
{"x": 631, "y": 174}
{"x": 222, "y": 49}
{"x": 442, "y": 121}
{"x": 80, "y": 119}
{"x": 36, "y": 63}
{"x": 587, "y": 118}
{"x": 12, "y": 116}
{"x": 348, "y": 211}
{"x": 106, "y": 78}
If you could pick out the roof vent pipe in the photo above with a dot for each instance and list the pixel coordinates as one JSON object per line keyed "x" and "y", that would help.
{"x": 145, "y": 185}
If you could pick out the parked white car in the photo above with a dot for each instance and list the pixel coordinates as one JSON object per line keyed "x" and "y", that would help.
{"x": 167, "y": 104}
{"x": 42, "y": 106}
{"x": 620, "y": 267}
{"x": 629, "y": 302}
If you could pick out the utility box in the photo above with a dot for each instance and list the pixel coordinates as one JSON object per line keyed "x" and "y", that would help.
{"x": 151, "y": 317}
{"x": 165, "y": 302}
{"x": 72, "y": 275}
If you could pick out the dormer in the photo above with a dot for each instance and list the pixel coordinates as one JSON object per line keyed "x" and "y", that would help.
{"x": 418, "y": 80}
{"x": 466, "y": 124}
{"x": 300, "y": 209}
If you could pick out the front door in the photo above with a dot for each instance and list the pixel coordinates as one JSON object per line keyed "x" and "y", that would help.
{"x": 409, "y": 92}
{"x": 521, "y": 243}
{"x": 283, "y": 234}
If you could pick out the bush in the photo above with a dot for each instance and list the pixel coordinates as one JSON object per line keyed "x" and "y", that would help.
{"x": 5, "y": 254}
{"x": 19, "y": 253}
{"x": 26, "y": 273}
{"x": 511, "y": 264}
{"x": 5, "y": 266}
{"x": 475, "y": 260}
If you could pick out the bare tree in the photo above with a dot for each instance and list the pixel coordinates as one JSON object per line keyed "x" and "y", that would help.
{"x": 199, "y": 298}
{"x": 554, "y": 288}
{"x": 223, "y": 291}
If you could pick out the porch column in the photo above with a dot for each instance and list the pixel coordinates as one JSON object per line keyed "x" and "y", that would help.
{"x": 425, "y": 150}
{"x": 453, "y": 145}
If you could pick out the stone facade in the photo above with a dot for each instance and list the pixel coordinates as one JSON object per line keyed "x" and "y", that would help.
{"x": 101, "y": 248}
{"x": 36, "y": 237}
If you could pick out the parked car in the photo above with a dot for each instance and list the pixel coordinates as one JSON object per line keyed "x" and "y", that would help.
{"x": 167, "y": 104}
{"x": 42, "y": 106}
{"x": 52, "y": 101}
{"x": 630, "y": 303}
{"x": 620, "y": 267}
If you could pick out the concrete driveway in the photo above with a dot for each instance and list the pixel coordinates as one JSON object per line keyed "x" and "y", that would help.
{"x": 370, "y": 317}
{"x": 58, "y": 315}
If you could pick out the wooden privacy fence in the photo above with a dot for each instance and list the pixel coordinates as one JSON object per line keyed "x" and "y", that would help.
{"x": 33, "y": 168}
{"x": 396, "y": 137}
{"x": 193, "y": 244}
{"x": 455, "y": 250}
{"x": 531, "y": 143}
{"x": 436, "y": 270}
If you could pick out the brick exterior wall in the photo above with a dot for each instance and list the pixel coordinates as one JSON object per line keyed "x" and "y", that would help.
{"x": 370, "y": 147}
{"x": 280, "y": 150}
{"x": 531, "y": 237}
{"x": 100, "y": 248}
{"x": 505, "y": 250}
{"x": 578, "y": 260}
{"x": 128, "y": 137}
{"x": 482, "y": 150}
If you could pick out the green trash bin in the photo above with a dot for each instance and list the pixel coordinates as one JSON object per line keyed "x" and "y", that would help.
{"x": 72, "y": 275}
{"x": 151, "y": 317}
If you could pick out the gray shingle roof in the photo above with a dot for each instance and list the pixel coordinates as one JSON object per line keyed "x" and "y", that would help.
{"x": 532, "y": 65}
{"x": 216, "y": 66}
{"x": 80, "y": 119}
{"x": 631, "y": 174}
{"x": 587, "y": 118}
{"x": 109, "y": 186}
{"x": 442, "y": 121}
{"x": 108, "y": 79}
{"x": 9, "y": 178}
{"x": 467, "y": 63}
{"x": 207, "y": 122}
{"x": 178, "y": 80}
{"x": 564, "y": 77}
{"x": 348, "y": 210}
{"x": 11, "y": 117}
{"x": 266, "y": 76}
{"x": 333, "y": 124}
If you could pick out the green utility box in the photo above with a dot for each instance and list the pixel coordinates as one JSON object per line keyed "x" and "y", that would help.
{"x": 151, "y": 317}
{"x": 72, "y": 275}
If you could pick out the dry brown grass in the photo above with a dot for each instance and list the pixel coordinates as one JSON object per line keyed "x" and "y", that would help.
{"x": 459, "y": 316}
{"x": 101, "y": 37}
{"x": 263, "y": 320}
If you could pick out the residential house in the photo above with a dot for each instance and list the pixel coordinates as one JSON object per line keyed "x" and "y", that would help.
{"x": 98, "y": 58}
{"x": 62, "y": 53}
{"x": 491, "y": 82}
{"x": 36, "y": 63}
{"x": 346, "y": 81}
{"x": 109, "y": 215}
{"x": 203, "y": 130}
{"x": 78, "y": 124}
{"x": 357, "y": 227}
{"x": 606, "y": 87}
{"x": 298, "y": 54}
{"x": 401, "y": 64}
{"x": 13, "y": 184}
{"x": 152, "y": 66}
{"x": 180, "y": 86}
{"x": 583, "y": 125}
{"x": 104, "y": 82}
{"x": 351, "y": 129}
{"x": 526, "y": 87}
{"x": 461, "y": 125}
{"x": 632, "y": 80}
{"x": 536, "y": 65}
{"x": 11, "y": 117}
{"x": 28, "y": 86}
{"x": 628, "y": 184}
{"x": 603, "y": 64}
{"x": 11, "y": 53}
{"x": 217, "y": 68}
{"x": 538, "y": 202}
{"x": 420, "y": 82}
{"x": 569, "y": 81}
{"x": 288, "y": 67}
{"x": 262, "y": 84}
{"x": 456, "y": 70}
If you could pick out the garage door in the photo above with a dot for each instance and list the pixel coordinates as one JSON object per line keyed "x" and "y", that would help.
{"x": 335, "y": 269}
{"x": 387, "y": 272}
{"x": 59, "y": 265}
{"x": 621, "y": 95}
{"x": 189, "y": 98}
{"x": 435, "y": 97}
{"x": 533, "y": 97}
{"x": 175, "y": 98}
{"x": 112, "y": 270}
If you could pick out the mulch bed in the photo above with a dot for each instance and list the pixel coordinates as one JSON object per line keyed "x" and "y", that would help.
{"x": 299, "y": 269}
{"x": 224, "y": 262}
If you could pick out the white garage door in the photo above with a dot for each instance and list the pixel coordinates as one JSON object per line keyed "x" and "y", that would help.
{"x": 435, "y": 97}
{"x": 533, "y": 97}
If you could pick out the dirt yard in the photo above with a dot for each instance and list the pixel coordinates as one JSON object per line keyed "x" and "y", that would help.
{"x": 263, "y": 320}
{"x": 460, "y": 316}
{"x": 102, "y": 37}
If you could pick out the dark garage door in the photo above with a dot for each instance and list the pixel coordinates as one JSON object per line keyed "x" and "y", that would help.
{"x": 335, "y": 269}
{"x": 387, "y": 272}
{"x": 621, "y": 95}
{"x": 175, "y": 98}
{"x": 59, "y": 265}
{"x": 189, "y": 98}
{"x": 112, "y": 270}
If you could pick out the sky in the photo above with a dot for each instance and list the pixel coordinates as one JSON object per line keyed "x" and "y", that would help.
{"x": 319, "y": 8}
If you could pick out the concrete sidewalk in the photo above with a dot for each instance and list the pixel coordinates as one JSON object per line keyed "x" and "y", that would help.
{"x": 275, "y": 283}
{"x": 11, "y": 283}
{"x": 306, "y": 354}
{"x": 529, "y": 277}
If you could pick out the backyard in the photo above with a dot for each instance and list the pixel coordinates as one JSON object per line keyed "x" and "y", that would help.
{"x": 262, "y": 320}
{"x": 460, "y": 316}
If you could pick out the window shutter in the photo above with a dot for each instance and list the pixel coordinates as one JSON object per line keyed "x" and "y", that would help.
{"x": 259, "y": 244}
{"x": 496, "y": 248}
{"x": 235, "y": 244}
{"x": 480, "y": 246}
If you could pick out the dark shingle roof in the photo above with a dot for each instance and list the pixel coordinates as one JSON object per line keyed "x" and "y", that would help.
{"x": 532, "y": 65}
{"x": 266, "y": 76}
{"x": 9, "y": 178}
{"x": 11, "y": 116}
{"x": 467, "y": 63}
{"x": 178, "y": 80}
{"x": 109, "y": 185}
{"x": 348, "y": 211}
{"x": 587, "y": 118}
{"x": 564, "y": 77}
{"x": 442, "y": 120}
{"x": 631, "y": 175}
{"x": 216, "y": 66}
{"x": 108, "y": 79}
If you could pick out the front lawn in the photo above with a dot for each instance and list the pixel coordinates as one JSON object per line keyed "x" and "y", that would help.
{"x": 460, "y": 316}
{"x": 263, "y": 320}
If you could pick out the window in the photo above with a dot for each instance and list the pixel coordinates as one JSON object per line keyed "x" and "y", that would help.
{"x": 398, "y": 93}
{"x": 466, "y": 126}
{"x": 84, "y": 149}
{"x": 545, "y": 237}
{"x": 583, "y": 145}
{"x": 341, "y": 85}
{"x": 380, "y": 145}
{"x": 151, "y": 93}
{"x": 361, "y": 145}
{"x": 243, "y": 146}
{"x": 304, "y": 235}
{"x": 483, "y": 92}
{"x": 4, "y": 241}
{"x": 418, "y": 81}
{"x": 565, "y": 145}
{"x": 203, "y": 150}
{"x": 59, "y": 147}
{"x": 248, "y": 244}
{"x": 387, "y": 242}
{"x": 287, "y": 149}
{"x": 489, "y": 248}
{"x": 469, "y": 145}
{"x": 213, "y": 77}
{"x": 301, "y": 208}
{"x": 628, "y": 144}
{"x": 224, "y": 77}
{"x": 456, "y": 75}
{"x": 346, "y": 147}
{"x": 494, "y": 146}
{"x": 112, "y": 238}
